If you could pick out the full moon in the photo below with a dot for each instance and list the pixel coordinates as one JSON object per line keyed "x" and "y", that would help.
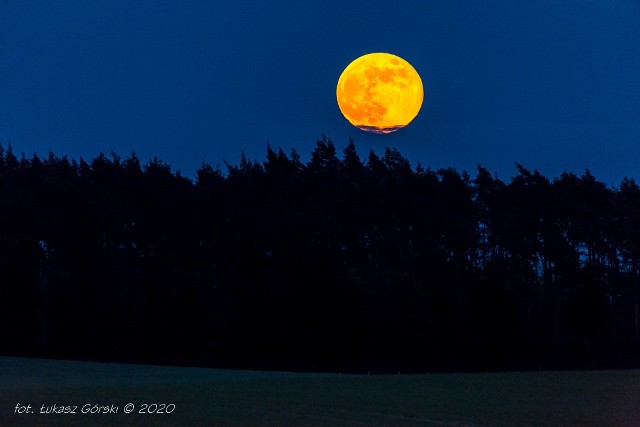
{"x": 379, "y": 92}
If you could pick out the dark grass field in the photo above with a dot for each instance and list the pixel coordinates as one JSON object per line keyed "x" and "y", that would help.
{"x": 211, "y": 397}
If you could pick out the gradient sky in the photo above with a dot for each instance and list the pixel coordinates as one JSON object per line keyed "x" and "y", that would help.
{"x": 551, "y": 84}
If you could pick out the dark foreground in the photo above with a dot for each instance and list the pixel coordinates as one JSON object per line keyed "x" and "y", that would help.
{"x": 224, "y": 397}
{"x": 275, "y": 265}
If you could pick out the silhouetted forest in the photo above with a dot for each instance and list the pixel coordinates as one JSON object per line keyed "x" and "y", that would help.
{"x": 338, "y": 264}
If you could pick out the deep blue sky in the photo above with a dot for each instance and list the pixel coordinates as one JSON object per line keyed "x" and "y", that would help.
{"x": 551, "y": 84}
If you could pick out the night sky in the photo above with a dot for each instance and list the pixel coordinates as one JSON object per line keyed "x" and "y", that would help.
{"x": 551, "y": 84}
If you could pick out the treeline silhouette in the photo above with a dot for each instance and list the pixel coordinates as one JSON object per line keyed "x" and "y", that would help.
{"x": 338, "y": 264}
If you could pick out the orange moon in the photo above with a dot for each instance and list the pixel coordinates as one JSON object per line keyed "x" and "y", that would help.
{"x": 379, "y": 92}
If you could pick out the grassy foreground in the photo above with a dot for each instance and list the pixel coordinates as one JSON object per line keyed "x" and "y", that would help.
{"x": 211, "y": 397}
